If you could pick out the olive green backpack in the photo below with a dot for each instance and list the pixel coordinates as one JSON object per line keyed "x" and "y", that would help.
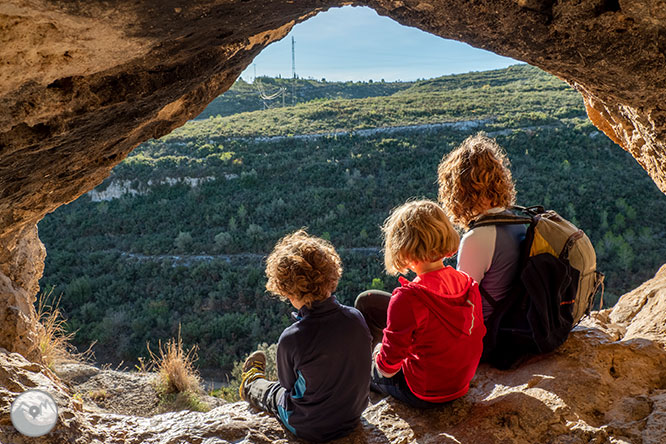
{"x": 553, "y": 290}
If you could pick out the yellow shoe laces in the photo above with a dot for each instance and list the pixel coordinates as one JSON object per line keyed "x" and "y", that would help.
{"x": 252, "y": 374}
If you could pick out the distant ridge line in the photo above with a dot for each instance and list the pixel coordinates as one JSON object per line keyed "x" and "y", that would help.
{"x": 461, "y": 125}
{"x": 188, "y": 259}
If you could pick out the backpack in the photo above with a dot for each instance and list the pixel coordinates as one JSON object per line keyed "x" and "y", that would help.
{"x": 554, "y": 287}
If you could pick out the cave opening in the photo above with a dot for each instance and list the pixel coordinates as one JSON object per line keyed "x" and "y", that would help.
{"x": 200, "y": 207}
{"x": 84, "y": 84}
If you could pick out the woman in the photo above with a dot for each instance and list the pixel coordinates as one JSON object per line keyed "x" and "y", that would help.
{"x": 474, "y": 179}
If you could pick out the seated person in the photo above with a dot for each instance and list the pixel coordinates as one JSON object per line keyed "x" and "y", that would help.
{"x": 474, "y": 179}
{"x": 323, "y": 359}
{"x": 431, "y": 329}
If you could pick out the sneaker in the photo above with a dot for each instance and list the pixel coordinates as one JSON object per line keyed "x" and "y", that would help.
{"x": 253, "y": 369}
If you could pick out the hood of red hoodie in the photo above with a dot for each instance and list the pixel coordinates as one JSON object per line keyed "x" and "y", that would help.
{"x": 446, "y": 294}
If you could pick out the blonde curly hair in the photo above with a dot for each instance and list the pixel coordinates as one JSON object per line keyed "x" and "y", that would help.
{"x": 417, "y": 231}
{"x": 473, "y": 175}
{"x": 303, "y": 267}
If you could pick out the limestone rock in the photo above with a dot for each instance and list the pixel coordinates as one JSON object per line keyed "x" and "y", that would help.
{"x": 643, "y": 310}
{"x": 18, "y": 375}
{"x": 21, "y": 266}
{"x": 606, "y": 384}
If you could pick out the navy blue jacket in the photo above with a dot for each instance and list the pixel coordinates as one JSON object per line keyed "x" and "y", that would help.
{"x": 323, "y": 362}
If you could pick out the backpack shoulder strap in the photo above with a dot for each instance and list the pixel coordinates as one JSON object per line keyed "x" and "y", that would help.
{"x": 489, "y": 299}
{"x": 506, "y": 217}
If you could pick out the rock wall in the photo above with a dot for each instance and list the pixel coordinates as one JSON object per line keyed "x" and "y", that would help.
{"x": 83, "y": 83}
{"x": 21, "y": 266}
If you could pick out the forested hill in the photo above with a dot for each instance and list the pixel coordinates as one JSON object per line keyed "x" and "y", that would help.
{"x": 243, "y": 96}
{"x": 176, "y": 235}
{"x": 518, "y": 92}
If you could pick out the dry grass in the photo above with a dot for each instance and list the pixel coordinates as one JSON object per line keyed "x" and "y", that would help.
{"x": 175, "y": 367}
{"x": 53, "y": 339}
{"x": 144, "y": 366}
{"x": 98, "y": 395}
{"x": 174, "y": 402}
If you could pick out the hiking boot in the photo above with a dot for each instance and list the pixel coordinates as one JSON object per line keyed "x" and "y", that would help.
{"x": 254, "y": 368}
{"x": 256, "y": 359}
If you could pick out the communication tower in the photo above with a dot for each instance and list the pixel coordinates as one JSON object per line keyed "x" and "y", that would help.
{"x": 293, "y": 58}
{"x": 293, "y": 71}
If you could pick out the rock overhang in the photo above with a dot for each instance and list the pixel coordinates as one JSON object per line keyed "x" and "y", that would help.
{"x": 85, "y": 83}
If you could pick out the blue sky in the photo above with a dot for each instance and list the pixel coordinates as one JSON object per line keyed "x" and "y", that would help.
{"x": 355, "y": 43}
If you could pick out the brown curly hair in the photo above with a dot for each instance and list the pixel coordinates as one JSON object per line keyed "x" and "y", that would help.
{"x": 475, "y": 173}
{"x": 303, "y": 267}
{"x": 417, "y": 231}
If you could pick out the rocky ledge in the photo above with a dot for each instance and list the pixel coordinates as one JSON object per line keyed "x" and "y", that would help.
{"x": 606, "y": 384}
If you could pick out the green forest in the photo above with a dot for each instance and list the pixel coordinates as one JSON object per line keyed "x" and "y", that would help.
{"x": 194, "y": 213}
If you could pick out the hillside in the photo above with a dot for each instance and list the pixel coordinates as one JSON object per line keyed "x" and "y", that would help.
{"x": 518, "y": 95}
{"x": 192, "y": 214}
{"x": 243, "y": 96}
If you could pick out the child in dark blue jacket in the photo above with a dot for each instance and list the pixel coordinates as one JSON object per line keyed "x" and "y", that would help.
{"x": 323, "y": 358}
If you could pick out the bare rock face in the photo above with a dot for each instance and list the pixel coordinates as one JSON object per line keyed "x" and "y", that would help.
{"x": 606, "y": 384}
{"x": 639, "y": 309}
{"x": 21, "y": 265}
{"x": 18, "y": 375}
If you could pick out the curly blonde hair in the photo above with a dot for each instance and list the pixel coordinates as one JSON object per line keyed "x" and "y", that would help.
{"x": 303, "y": 267}
{"x": 473, "y": 175}
{"x": 417, "y": 231}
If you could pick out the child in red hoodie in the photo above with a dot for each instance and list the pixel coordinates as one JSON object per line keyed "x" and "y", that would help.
{"x": 431, "y": 329}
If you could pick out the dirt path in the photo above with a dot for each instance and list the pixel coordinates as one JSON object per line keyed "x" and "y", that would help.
{"x": 190, "y": 259}
{"x": 461, "y": 125}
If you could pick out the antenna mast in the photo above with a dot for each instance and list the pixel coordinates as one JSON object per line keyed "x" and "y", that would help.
{"x": 293, "y": 71}
{"x": 293, "y": 58}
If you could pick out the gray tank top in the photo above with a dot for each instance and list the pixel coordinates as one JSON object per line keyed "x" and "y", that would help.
{"x": 491, "y": 256}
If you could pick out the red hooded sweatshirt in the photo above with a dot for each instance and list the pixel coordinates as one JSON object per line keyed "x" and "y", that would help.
{"x": 434, "y": 333}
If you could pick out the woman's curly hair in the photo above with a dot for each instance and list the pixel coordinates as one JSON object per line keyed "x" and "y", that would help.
{"x": 303, "y": 267}
{"x": 475, "y": 172}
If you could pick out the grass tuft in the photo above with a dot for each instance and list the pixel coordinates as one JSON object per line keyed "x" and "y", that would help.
{"x": 53, "y": 339}
{"x": 175, "y": 367}
{"x": 183, "y": 401}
